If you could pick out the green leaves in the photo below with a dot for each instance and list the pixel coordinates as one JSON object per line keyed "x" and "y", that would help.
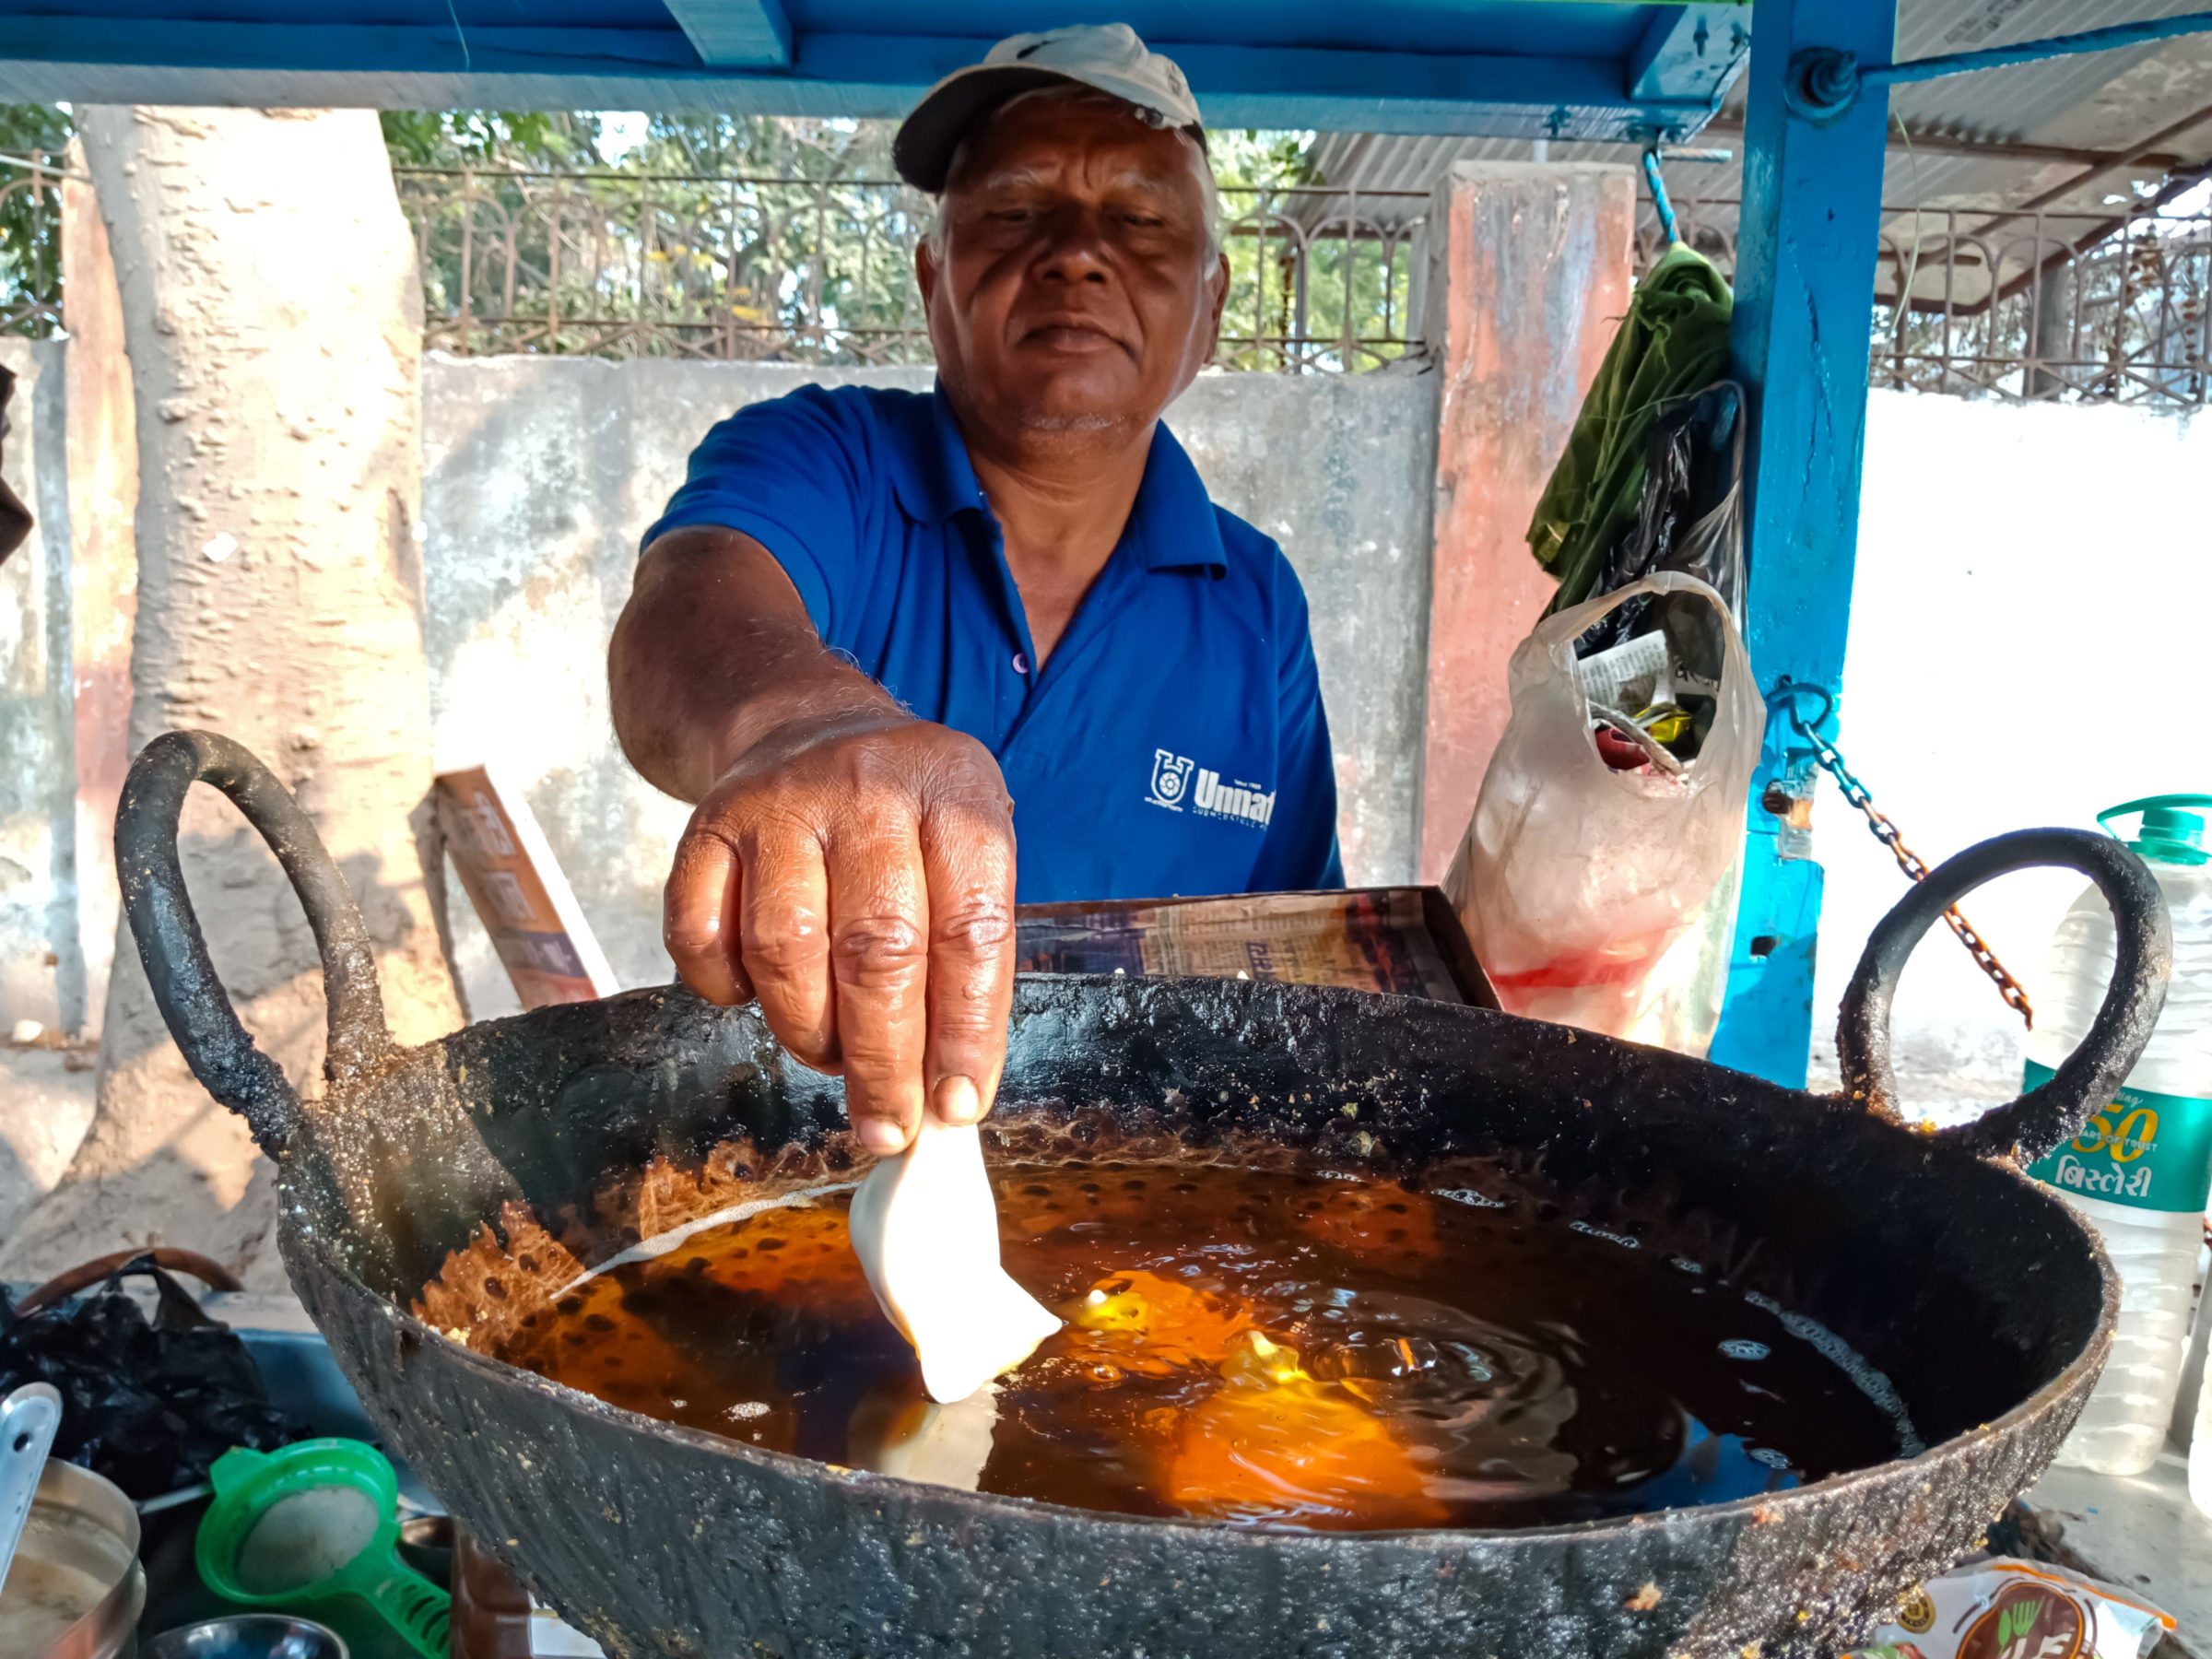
{"x": 30, "y": 220}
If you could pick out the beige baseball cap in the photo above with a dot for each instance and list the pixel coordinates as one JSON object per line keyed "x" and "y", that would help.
{"x": 1107, "y": 56}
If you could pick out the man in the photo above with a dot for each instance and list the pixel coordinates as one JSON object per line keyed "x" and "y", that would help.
{"x": 869, "y": 617}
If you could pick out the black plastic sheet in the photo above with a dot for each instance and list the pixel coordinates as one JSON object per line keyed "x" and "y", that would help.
{"x": 1691, "y": 466}
{"x": 148, "y": 1404}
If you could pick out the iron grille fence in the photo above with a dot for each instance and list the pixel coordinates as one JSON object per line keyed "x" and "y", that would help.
{"x": 2085, "y": 307}
{"x": 822, "y": 270}
{"x": 2097, "y": 306}
{"x": 31, "y": 245}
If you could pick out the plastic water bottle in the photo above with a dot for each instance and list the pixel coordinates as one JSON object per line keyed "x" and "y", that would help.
{"x": 2140, "y": 1169}
{"x": 2200, "y": 1435}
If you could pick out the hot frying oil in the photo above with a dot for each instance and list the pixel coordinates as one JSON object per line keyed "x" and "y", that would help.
{"x": 1254, "y": 1348}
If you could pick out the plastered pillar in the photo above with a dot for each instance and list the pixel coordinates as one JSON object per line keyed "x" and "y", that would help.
{"x": 1528, "y": 278}
{"x": 103, "y": 561}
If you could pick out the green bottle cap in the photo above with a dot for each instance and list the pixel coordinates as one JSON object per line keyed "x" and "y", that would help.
{"x": 2169, "y": 833}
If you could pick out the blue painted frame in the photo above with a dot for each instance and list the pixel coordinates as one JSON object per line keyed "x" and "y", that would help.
{"x": 1806, "y": 251}
{"x": 744, "y": 33}
{"x": 1690, "y": 51}
{"x": 759, "y": 55}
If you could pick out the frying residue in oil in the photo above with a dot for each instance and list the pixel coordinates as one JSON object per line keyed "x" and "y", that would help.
{"x": 1254, "y": 1347}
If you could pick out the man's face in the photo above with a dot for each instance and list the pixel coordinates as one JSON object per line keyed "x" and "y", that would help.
{"x": 1075, "y": 292}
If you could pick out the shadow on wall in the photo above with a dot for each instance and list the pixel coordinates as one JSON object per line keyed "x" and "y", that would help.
{"x": 44, "y": 1109}
{"x": 165, "y": 1163}
{"x": 539, "y": 476}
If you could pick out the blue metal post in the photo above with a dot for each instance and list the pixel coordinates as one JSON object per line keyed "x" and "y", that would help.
{"x": 1803, "y": 292}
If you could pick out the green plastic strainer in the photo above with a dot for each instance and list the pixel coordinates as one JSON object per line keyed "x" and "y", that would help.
{"x": 317, "y": 1522}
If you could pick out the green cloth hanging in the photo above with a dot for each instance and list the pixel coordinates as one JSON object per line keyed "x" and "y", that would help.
{"x": 1674, "y": 342}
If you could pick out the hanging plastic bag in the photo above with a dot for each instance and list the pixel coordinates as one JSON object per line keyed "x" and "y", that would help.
{"x": 1605, "y": 898}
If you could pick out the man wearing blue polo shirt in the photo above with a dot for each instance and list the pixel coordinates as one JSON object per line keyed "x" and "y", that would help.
{"x": 869, "y": 617}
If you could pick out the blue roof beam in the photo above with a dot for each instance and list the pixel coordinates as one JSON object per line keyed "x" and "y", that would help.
{"x": 1492, "y": 94}
{"x": 753, "y": 34}
{"x": 1689, "y": 55}
{"x": 303, "y": 64}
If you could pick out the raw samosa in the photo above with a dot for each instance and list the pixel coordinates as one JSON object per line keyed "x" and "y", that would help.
{"x": 925, "y": 1227}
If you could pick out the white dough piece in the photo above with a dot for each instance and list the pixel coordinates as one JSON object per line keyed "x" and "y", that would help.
{"x": 925, "y": 1227}
{"x": 941, "y": 1445}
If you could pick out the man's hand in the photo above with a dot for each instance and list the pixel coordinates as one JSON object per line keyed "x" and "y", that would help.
{"x": 856, "y": 875}
{"x": 851, "y": 866}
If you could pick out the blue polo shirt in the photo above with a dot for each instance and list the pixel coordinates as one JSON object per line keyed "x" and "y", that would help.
{"x": 1173, "y": 743}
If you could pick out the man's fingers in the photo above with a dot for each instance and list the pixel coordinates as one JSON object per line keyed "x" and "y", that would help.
{"x": 698, "y": 915}
{"x": 784, "y": 926}
{"x": 879, "y": 961}
{"x": 968, "y": 856}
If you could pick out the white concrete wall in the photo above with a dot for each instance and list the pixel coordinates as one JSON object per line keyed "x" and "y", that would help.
{"x": 539, "y": 475}
{"x": 2033, "y": 604}
{"x": 41, "y": 966}
{"x": 2030, "y": 632}
{"x": 45, "y": 1093}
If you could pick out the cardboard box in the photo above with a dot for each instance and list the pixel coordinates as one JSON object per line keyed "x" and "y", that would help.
{"x": 1405, "y": 941}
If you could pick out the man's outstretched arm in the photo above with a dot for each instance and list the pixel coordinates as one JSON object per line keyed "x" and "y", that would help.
{"x": 849, "y": 866}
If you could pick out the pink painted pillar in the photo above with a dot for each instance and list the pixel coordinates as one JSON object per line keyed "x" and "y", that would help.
{"x": 1528, "y": 276}
{"x": 103, "y": 573}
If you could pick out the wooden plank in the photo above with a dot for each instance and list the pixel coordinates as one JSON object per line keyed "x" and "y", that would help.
{"x": 1805, "y": 258}
{"x": 754, "y": 33}
{"x": 518, "y": 891}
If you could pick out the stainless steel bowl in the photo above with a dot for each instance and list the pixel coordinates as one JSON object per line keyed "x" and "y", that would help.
{"x": 82, "y": 1524}
{"x": 249, "y": 1636}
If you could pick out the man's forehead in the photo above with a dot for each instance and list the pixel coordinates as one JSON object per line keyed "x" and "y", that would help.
{"x": 1034, "y": 143}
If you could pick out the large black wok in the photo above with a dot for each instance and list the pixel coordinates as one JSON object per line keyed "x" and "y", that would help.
{"x": 1986, "y": 1303}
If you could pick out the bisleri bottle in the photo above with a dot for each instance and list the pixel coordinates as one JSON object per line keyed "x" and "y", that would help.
{"x": 2140, "y": 1169}
{"x": 2199, "y": 1412}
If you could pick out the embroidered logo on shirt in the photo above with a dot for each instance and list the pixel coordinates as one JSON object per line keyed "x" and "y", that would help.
{"x": 1171, "y": 778}
{"x": 1210, "y": 797}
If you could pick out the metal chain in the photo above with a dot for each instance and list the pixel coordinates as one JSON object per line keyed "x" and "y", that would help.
{"x": 1914, "y": 867}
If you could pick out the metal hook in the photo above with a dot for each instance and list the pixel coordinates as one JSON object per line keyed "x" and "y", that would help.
{"x": 1788, "y": 690}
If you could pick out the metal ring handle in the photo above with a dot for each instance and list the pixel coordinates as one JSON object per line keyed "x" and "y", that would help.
{"x": 85, "y": 1274}
{"x": 215, "y": 1045}
{"x": 2043, "y": 1117}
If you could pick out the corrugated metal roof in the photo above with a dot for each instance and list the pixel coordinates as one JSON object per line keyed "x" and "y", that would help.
{"x": 2103, "y": 101}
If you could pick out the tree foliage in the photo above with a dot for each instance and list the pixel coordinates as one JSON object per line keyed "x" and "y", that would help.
{"x": 495, "y": 138}
{"x": 733, "y": 235}
{"x": 1311, "y": 282}
{"x": 718, "y": 235}
{"x": 30, "y": 220}
{"x": 755, "y": 236}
